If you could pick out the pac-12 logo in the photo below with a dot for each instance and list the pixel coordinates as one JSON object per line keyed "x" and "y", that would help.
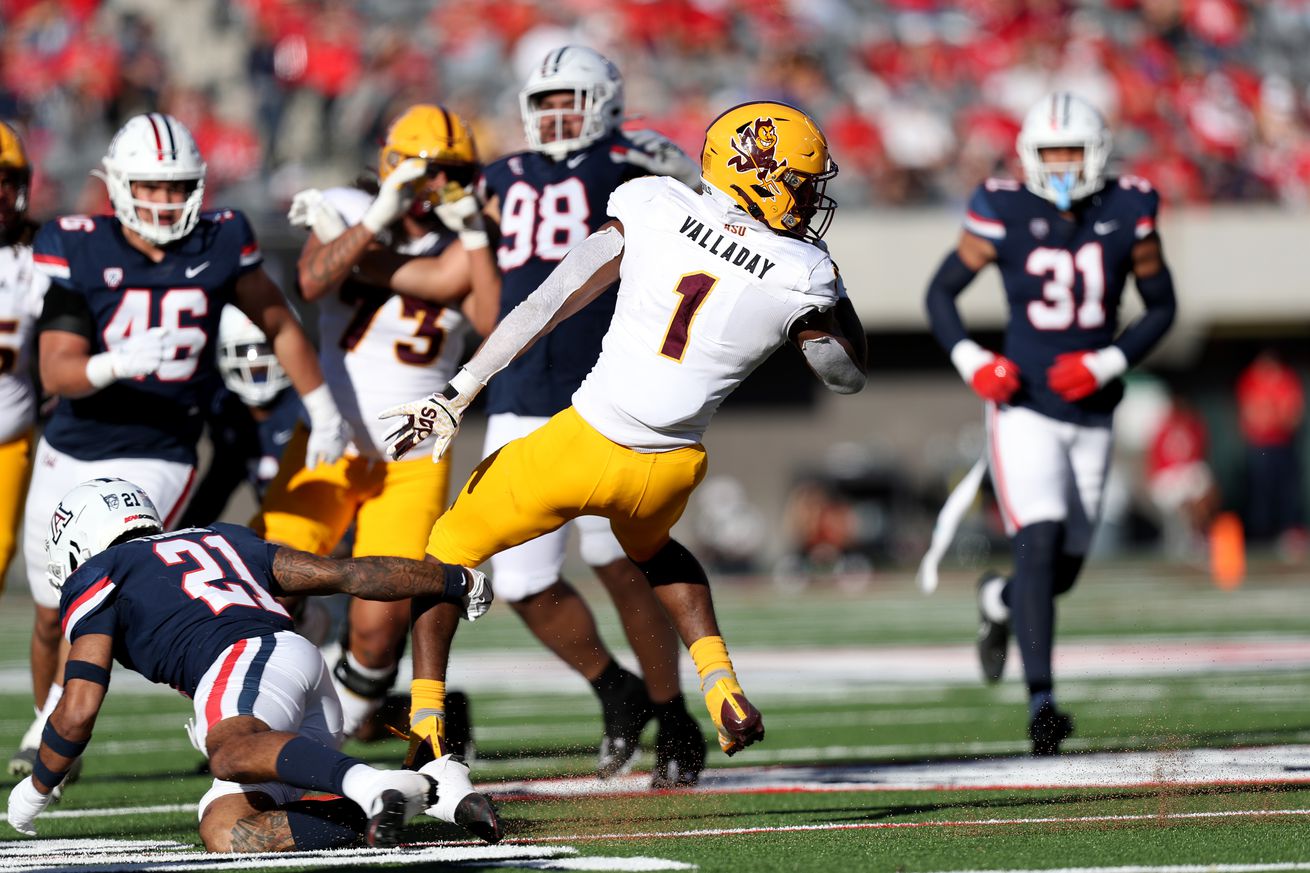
{"x": 58, "y": 522}
{"x": 754, "y": 145}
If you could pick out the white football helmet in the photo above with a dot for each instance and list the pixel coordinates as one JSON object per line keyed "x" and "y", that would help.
{"x": 1063, "y": 119}
{"x": 154, "y": 148}
{"x": 90, "y": 518}
{"x": 598, "y": 96}
{"x": 246, "y": 361}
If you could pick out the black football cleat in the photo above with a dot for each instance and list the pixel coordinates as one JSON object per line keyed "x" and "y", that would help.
{"x": 459, "y": 726}
{"x": 477, "y": 815}
{"x": 679, "y": 752}
{"x": 993, "y": 637}
{"x": 388, "y": 823}
{"x": 1048, "y": 729}
{"x": 625, "y": 716}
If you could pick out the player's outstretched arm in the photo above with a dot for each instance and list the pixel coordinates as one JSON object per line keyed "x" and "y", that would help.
{"x": 66, "y": 734}
{"x": 381, "y": 578}
{"x": 588, "y": 269}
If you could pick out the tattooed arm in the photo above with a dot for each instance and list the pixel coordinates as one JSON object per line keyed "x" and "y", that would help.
{"x": 379, "y": 578}
{"x": 324, "y": 266}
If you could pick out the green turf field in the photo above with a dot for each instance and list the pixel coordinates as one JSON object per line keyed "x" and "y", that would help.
{"x": 884, "y": 752}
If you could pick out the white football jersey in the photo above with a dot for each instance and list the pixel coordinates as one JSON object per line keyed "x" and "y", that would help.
{"x": 379, "y": 349}
{"x": 706, "y": 295}
{"x": 22, "y": 291}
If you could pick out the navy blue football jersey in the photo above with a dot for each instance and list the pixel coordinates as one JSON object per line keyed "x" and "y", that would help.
{"x": 1063, "y": 278}
{"x": 105, "y": 290}
{"x": 173, "y": 602}
{"x": 546, "y": 208}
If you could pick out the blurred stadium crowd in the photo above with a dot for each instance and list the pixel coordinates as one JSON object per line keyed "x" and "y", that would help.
{"x": 920, "y": 97}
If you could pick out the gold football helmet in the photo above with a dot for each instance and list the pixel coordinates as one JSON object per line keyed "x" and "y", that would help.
{"x": 773, "y": 160}
{"x": 443, "y": 139}
{"x": 15, "y": 169}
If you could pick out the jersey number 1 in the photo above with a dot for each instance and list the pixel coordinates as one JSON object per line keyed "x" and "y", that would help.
{"x": 1057, "y": 311}
{"x": 693, "y": 288}
{"x": 209, "y": 582}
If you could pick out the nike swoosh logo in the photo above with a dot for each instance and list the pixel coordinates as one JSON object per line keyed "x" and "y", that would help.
{"x": 281, "y": 437}
{"x": 575, "y": 160}
{"x": 1104, "y": 227}
{"x": 192, "y": 272}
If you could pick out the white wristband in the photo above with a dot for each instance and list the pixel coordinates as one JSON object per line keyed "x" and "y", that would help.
{"x": 1106, "y": 364}
{"x": 100, "y": 370}
{"x": 474, "y": 239}
{"x": 969, "y": 357}
{"x": 319, "y": 405}
{"x": 466, "y": 384}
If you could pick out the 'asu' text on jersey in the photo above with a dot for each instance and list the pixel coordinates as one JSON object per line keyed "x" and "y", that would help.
{"x": 1063, "y": 279}
{"x": 106, "y": 291}
{"x": 546, "y": 208}
{"x": 173, "y": 602}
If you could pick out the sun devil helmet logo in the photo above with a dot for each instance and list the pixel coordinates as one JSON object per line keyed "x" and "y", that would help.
{"x": 754, "y": 145}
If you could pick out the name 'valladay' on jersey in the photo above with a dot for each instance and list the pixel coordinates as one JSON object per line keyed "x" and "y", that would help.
{"x": 174, "y": 602}
{"x": 106, "y": 291}
{"x": 1064, "y": 279}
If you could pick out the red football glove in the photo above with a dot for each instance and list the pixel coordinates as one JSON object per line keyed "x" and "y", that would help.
{"x": 996, "y": 381}
{"x": 1070, "y": 377}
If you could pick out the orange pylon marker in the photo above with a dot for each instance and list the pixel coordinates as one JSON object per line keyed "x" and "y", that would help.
{"x": 1227, "y": 551}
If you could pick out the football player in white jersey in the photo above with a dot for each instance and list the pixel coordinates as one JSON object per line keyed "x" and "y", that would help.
{"x": 377, "y": 348}
{"x": 710, "y": 284}
{"x": 22, "y": 288}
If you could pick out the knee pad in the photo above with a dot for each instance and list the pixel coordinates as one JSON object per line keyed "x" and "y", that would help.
{"x": 370, "y": 688}
{"x": 596, "y": 541}
{"x": 673, "y": 564}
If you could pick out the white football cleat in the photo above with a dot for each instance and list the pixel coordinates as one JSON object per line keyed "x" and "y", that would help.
{"x": 404, "y": 795}
{"x": 458, "y": 803}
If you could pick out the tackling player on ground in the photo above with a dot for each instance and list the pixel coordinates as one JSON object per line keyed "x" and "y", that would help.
{"x": 710, "y": 285}
{"x": 1065, "y": 241}
{"x": 197, "y": 610}
{"x": 126, "y": 342}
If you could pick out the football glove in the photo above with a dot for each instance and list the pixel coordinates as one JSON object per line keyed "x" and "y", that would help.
{"x": 136, "y": 357}
{"x": 1076, "y": 375}
{"x": 477, "y": 600}
{"x": 991, "y": 376}
{"x": 396, "y": 195}
{"x": 464, "y": 217}
{"x": 438, "y": 416}
{"x": 660, "y": 156}
{"x": 329, "y": 434}
{"x": 309, "y": 209}
{"x": 25, "y": 804}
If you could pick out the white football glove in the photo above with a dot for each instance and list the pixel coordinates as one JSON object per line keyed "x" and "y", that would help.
{"x": 136, "y": 357}
{"x": 464, "y": 217}
{"x": 477, "y": 600}
{"x": 310, "y": 209}
{"x": 329, "y": 434}
{"x": 660, "y": 156}
{"x": 25, "y": 804}
{"x": 396, "y": 195}
{"x": 437, "y": 415}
